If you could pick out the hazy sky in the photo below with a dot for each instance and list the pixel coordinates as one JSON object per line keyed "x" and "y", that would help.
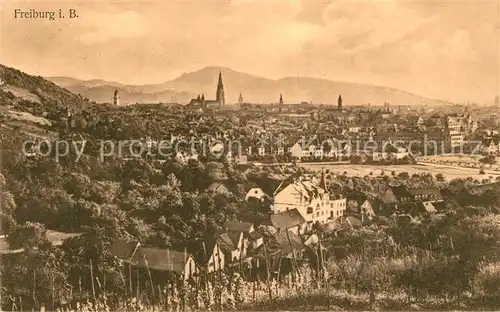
{"x": 448, "y": 49}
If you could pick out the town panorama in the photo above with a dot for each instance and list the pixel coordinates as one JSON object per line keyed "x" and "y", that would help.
{"x": 220, "y": 190}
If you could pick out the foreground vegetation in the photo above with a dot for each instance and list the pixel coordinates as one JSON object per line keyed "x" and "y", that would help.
{"x": 449, "y": 260}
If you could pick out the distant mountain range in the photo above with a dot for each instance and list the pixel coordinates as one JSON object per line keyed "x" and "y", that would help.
{"x": 253, "y": 88}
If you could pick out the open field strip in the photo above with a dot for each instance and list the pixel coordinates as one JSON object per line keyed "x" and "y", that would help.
{"x": 448, "y": 171}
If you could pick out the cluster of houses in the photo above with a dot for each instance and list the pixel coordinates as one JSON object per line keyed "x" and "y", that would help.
{"x": 255, "y": 136}
{"x": 301, "y": 211}
{"x": 287, "y": 234}
{"x": 491, "y": 142}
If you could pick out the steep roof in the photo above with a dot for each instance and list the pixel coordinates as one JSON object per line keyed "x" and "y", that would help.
{"x": 204, "y": 249}
{"x": 289, "y": 243}
{"x": 123, "y": 249}
{"x": 305, "y": 189}
{"x": 256, "y": 234}
{"x": 287, "y": 219}
{"x": 217, "y": 186}
{"x": 400, "y": 191}
{"x": 354, "y": 221}
{"x": 226, "y": 243}
{"x": 429, "y": 207}
{"x": 244, "y": 227}
{"x": 331, "y": 227}
{"x": 160, "y": 259}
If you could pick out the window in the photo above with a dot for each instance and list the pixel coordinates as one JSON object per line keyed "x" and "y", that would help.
{"x": 317, "y": 214}
{"x": 309, "y": 210}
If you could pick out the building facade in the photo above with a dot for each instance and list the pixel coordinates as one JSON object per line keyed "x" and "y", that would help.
{"x": 311, "y": 200}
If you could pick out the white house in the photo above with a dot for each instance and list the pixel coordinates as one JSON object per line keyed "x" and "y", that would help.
{"x": 354, "y": 129}
{"x": 261, "y": 151}
{"x": 165, "y": 260}
{"x": 318, "y": 153}
{"x": 456, "y": 138}
{"x": 296, "y": 150}
{"x": 233, "y": 246}
{"x": 401, "y": 153}
{"x": 256, "y": 239}
{"x": 311, "y": 200}
{"x": 217, "y": 260}
{"x": 378, "y": 156}
{"x": 255, "y": 192}
{"x": 241, "y": 159}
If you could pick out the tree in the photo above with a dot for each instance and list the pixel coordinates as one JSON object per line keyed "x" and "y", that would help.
{"x": 440, "y": 177}
{"x": 27, "y": 235}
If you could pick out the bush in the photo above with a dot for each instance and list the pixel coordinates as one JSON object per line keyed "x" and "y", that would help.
{"x": 487, "y": 281}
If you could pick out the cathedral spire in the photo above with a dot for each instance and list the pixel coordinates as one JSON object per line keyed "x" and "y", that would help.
{"x": 281, "y": 98}
{"x": 220, "y": 91}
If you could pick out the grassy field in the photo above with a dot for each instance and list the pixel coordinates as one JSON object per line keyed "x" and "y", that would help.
{"x": 450, "y": 172}
{"x": 334, "y": 300}
{"x": 471, "y": 161}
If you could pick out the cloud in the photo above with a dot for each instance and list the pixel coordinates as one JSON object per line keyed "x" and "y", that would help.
{"x": 439, "y": 49}
{"x": 102, "y": 27}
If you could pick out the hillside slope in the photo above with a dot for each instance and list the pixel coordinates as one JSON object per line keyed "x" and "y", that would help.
{"x": 18, "y": 87}
{"x": 254, "y": 89}
{"x": 32, "y": 106}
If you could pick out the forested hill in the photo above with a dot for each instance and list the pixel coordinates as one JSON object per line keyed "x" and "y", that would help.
{"x": 19, "y": 89}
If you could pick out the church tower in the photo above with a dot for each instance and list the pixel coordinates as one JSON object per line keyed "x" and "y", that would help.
{"x": 240, "y": 99}
{"x": 220, "y": 91}
{"x": 116, "y": 98}
{"x": 281, "y": 99}
{"x": 339, "y": 102}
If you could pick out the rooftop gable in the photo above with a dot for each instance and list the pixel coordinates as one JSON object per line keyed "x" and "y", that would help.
{"x": 160, "y": 259}
{"x": 287, "y": 219}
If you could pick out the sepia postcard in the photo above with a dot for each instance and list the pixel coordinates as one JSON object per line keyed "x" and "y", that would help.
{"x": 250, "y": 155}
